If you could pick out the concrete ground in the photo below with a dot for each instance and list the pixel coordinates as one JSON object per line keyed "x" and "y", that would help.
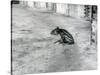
{"x": 33, "y": 48}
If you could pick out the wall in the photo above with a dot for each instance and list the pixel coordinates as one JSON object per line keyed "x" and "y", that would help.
{"x": 61, "y": 8}
{"x": 81, "y": 11}
{"x": 30, "y": 4}
{"x": 40, "y": 5}
{"x": 72, "y": 10}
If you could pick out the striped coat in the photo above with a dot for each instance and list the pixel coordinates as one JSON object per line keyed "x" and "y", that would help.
{"x": 66, "y": 37}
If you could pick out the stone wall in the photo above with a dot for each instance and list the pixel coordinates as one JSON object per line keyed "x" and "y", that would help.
{"x": 72, "y": 10}
{"x": 61, "y": 8}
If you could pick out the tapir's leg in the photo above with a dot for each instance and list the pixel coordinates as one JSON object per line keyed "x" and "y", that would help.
{"x": 57, "y": 41}
{"x": 60, "y": 41}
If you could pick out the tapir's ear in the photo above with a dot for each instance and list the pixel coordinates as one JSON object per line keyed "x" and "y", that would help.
{"x": 57, "y": 27}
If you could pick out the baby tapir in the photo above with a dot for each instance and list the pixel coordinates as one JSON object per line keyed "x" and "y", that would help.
{"x": 66, "y": 37}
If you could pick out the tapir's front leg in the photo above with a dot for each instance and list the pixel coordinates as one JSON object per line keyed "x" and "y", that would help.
{"x": 60, "y": 41}
{"x": 57, "y": 41}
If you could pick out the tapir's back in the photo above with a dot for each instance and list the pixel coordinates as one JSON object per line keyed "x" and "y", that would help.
{"x": 66, "y": 36}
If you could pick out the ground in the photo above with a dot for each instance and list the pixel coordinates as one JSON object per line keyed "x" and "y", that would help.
{"x": 33, "y": 47}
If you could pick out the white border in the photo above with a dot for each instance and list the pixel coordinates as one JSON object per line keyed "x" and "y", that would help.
{"x": 4, "y": 37}
{"x": 5, "y": 25}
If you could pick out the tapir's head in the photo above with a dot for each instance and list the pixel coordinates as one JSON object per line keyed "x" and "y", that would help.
{"x": 55, "y": 31}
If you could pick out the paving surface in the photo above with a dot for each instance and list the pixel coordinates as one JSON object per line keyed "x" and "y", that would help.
{"x": 33, "y": 48}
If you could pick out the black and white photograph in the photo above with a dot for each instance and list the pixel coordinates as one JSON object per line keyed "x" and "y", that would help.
{"x": 49, "y": 37}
